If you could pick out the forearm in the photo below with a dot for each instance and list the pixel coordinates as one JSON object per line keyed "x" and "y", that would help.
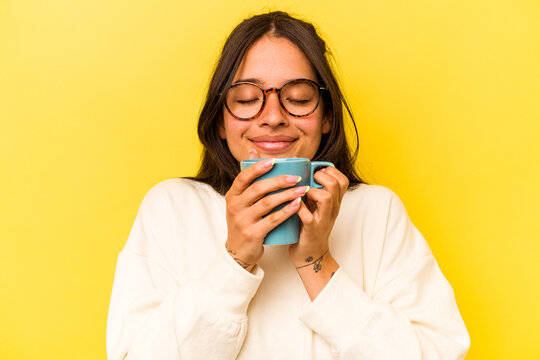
{"x": 390, "y": 326}
{"x": 316, "y": 273}
{"x": 246, "y": 265}
{"x": 178, "y": 321}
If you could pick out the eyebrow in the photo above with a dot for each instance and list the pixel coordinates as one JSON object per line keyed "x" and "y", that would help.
{"x": 259, "y": 82}
{"x": 251, "y": 80}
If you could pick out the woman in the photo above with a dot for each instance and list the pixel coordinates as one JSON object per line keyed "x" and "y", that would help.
{"x": 360, "y": 284}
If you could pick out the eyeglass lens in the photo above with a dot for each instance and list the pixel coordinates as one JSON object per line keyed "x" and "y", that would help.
{"x": 299, "y": 98}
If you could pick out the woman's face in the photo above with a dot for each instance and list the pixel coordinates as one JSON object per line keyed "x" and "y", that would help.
{"x": 271, "y": 62}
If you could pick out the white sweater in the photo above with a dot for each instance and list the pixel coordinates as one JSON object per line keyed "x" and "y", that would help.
{"x": 177, "y": 294}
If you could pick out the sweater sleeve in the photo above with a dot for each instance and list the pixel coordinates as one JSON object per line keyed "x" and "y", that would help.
{"x": 411, "y": 312}
{"x": 152, "y": 315}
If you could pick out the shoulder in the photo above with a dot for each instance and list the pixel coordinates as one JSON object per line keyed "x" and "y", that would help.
{"x": 179, "y": 185}
{"x": 372, "y": 195}
{"x": 178, "y": 191}
{"x": 374, "y": 203}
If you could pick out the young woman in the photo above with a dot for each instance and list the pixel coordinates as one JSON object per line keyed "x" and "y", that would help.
{"x": 194, "y": 280}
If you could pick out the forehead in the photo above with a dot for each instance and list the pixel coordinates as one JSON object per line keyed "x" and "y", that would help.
{"x": 271, "y": 61}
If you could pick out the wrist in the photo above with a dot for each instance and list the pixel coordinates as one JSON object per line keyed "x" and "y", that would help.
{"x": 317, "y": 274}
{"x": 309, "y": 261}
{"x": 245, "y": 264}
{"x": 325, "y": 264}
{"x": 303, "y": 255}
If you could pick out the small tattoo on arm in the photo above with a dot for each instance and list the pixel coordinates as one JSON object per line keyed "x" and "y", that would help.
{"x": 240, "y": 262}
{"x": 317, "y": 264}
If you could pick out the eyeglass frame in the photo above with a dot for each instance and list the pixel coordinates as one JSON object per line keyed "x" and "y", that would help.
{"x": 265, "y": 92}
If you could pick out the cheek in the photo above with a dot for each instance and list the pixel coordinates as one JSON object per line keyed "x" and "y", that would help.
{"x": 233, "y": 128}
{"x": 311, "y": 130}
{"x": 312, "y": 126}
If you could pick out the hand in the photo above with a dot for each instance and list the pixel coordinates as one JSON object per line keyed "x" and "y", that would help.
{"x": 318, "y": 216}
{"x": 247, "y": 205}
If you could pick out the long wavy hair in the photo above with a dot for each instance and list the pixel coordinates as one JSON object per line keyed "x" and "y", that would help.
{"x": 218, "y": 167}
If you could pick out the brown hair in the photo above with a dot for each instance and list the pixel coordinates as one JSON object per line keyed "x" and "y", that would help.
{"x": 218, "y": 166}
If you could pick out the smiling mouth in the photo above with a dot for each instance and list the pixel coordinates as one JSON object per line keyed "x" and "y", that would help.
{"x": 273, "y": 146}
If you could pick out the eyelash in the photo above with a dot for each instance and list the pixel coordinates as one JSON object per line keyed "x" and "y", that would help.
{"x": 247, "y": 101}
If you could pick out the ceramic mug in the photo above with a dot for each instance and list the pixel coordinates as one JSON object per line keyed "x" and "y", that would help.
{"x": 288, "y": 231}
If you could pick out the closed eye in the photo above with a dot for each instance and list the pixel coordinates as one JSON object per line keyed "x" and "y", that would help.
{"x": 299, "y": 101}
{"x": 247, "y": 101}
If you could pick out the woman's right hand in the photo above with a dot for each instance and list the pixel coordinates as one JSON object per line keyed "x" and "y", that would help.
{"x": 247, "y": 205}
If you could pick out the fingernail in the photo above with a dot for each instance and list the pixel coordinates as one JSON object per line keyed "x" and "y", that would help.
{"x": 269, "y": 163}
{"x": 294, "y": 179}
{"x": 252, "y": 154}
{"x": 301, "y": 190}
{"x": 295, "y": 203}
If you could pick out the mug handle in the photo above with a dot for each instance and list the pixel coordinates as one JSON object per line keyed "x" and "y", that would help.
{"x": 314, "y": 166}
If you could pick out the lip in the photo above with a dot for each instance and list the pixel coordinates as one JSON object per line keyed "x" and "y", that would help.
{"x": 273, "y": 144}
{"x": 273, "y": 138}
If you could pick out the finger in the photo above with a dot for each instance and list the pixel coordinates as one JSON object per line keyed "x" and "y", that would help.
{"x": 330, "y": 183}
{"x": 266, "y": 224}
{"x": 261, "y": 188}
{"x": 340, "y": 177}
{"x": 253, "y": 154}
{"x": 325, "y": 202}
{"x": 270, "y": 202}
{"x": 306, "y": 216}
{"x": 246, "y": 176}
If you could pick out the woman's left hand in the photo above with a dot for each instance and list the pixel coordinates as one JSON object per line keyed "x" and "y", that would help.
{"x": 318, "y": 215}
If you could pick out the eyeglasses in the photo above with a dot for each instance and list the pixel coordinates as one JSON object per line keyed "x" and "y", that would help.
{"x": 299, "y": 97}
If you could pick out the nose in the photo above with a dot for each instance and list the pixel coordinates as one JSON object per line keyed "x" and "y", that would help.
{"x": 273, "y": 113}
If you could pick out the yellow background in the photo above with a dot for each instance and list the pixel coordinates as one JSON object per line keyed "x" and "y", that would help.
{"x": 99, "y": 101}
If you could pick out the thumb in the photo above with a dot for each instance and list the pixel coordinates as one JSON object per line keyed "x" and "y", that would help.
{"x": 253, "y": 154}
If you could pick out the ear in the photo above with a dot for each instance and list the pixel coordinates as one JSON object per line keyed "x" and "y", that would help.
{"x": 326, "y": 126}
